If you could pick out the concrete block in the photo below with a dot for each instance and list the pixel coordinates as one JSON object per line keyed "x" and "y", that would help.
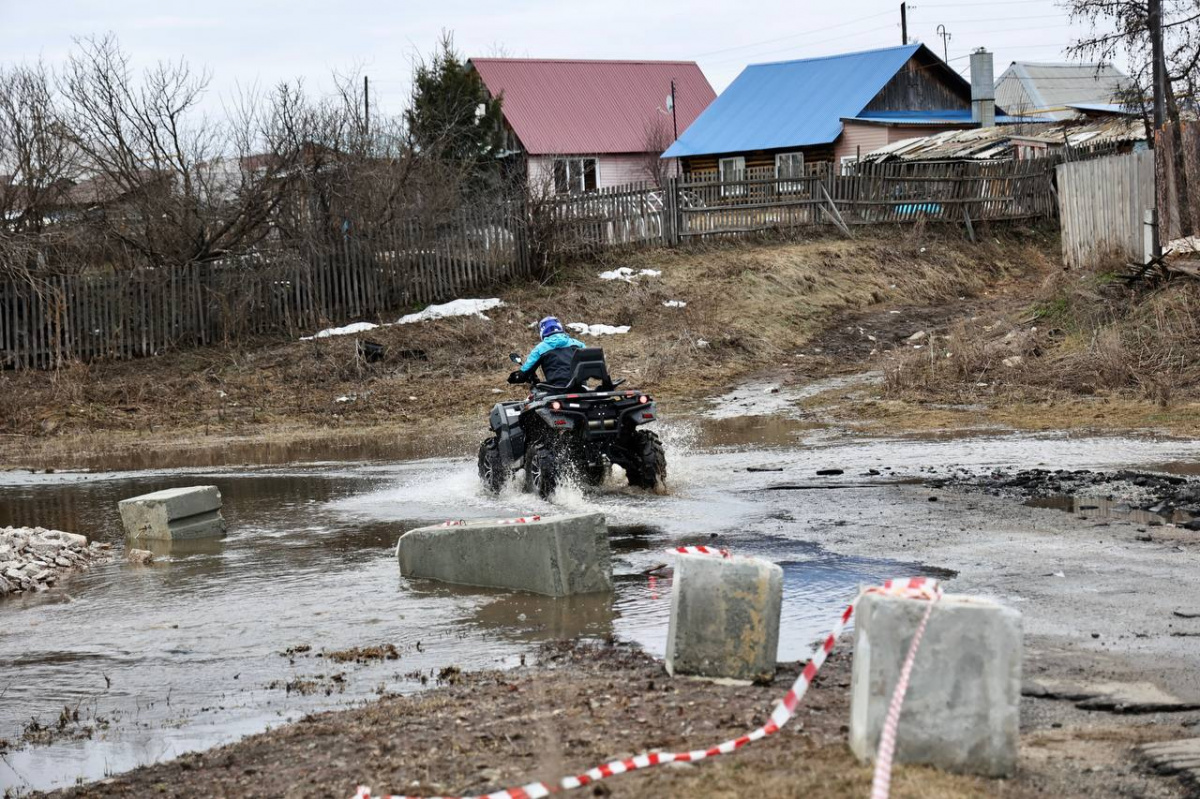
{"x": 554, "y": 556}
{"x": 961, "y": 710}
{"x": 724, "y": 617}
{"x": 174, "y": 514}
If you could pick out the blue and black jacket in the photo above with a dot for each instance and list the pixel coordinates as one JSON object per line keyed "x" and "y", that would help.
{"x": 554, "y": 356}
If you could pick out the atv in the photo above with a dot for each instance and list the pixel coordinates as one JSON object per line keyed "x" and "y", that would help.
{"x": 579, "y": 430}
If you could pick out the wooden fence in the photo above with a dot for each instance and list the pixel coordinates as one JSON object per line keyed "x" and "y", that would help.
{"x": 58, "y": 318}
{"x": 1102, "y": 207}
{"x": 704, "y": 204}
{"x": 55, "y": 318}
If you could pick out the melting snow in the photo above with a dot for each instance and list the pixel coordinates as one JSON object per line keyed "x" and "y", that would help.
{"x": 452, "y": 308}
{"x": 597, "y": 330}
{"x": 628, "y": 275}
{"x": 674, "y": 304}
{"x": 357, "y": 327}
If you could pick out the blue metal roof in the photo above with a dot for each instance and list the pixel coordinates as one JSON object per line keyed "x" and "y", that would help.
{"x": 791, "y": 103}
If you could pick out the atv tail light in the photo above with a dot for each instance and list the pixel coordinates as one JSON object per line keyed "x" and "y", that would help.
{"x": 643, "y": 399}
{"x": 560, "y": 421}
{"x": 556, "y": 405}
{"x": 647, "y": 416}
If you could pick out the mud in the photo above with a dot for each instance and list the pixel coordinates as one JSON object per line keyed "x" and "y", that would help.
{"x": 185, "y": 654}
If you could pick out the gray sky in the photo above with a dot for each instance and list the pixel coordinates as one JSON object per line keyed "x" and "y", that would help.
{"x": 244, "y": 41}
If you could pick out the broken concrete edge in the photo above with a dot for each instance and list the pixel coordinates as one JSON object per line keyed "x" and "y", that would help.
{"x": 725, "y": 615}
{"x": 961, "y": 711}
{"x": 174, "y": 514}
{"x": 552, "y": 556}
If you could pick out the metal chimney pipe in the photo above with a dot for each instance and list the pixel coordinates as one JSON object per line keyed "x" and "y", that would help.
{"x": 983, "y": 89}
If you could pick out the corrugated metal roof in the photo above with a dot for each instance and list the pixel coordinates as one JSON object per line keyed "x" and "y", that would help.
{"x": 986, "y": 144}
{"x": 592, "y": 107}
{"x": 791, "y": 103}
{"x": 952, "y": 116}
{"x": 1119, "y": 109}
{"x": 1047, "y": 89}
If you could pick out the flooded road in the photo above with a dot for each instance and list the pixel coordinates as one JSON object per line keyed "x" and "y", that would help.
{"x": 193, "y": 651}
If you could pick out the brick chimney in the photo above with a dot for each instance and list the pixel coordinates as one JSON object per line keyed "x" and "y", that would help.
{"x": 983, "y": 89}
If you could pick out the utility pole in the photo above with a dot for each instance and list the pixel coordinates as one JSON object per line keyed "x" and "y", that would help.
{"x": 674, "y": 119}
{"x": 945, "y": 34}
{"x": 904, "y": 23}
{"x": 1159, "y": 67}
{"x": 366, "y": 105}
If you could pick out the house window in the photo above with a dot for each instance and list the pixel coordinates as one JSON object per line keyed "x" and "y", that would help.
{"x": 732, "y": 171}
{"x": 849, "y": 164}
{"x": 575, "y": 175}
{"x": 789, "y": 165}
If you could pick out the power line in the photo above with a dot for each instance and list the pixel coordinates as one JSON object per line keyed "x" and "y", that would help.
{"x": 793, "y": 47}
{"x": 796, "y": 35}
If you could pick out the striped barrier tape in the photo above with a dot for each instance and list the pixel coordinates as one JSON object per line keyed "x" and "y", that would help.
{"x": 913, "y": 588}
{"x": 518, "y": 520}
{"x": 712, "y": 551}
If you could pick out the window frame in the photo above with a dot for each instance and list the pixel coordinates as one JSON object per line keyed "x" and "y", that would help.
{"x": 740, "y": 170}
{"x": 571, "y": 174}
{"x": 792, "y": 171}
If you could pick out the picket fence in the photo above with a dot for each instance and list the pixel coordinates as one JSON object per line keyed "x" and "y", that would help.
{"x": 53, "y": 319}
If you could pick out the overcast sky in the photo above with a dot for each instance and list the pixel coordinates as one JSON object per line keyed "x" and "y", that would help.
{"x": 244, "y": 41}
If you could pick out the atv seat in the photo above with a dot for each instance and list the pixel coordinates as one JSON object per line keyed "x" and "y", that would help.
{"x": 587, "y": 364}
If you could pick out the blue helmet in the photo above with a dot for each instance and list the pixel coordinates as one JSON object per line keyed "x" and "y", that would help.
{"x": 549, "y": 326}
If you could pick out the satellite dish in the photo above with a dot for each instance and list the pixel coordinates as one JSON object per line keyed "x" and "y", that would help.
{"x": 670, "y": 103}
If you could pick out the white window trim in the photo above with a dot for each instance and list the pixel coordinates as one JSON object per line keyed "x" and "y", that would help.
{"x": 790, "y": 159}
{"x": 739, "y": 168}
{"x": 575, "y": 159}
{"x": 845, "y": 161}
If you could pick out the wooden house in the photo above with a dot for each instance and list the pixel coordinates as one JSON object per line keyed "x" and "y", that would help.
{"x": 791, "y": 118}
{"x": 577, "y": 126}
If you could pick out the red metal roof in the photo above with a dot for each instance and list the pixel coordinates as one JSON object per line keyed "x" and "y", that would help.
{"x": 592, "y": 107}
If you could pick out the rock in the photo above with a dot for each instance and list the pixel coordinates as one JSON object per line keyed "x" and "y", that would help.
{"x": 918, "y": 336}
{"x": 61, "y": 561}
{"x": 5, "y": 588}
{"x": 829, "y": 472}
{"x": 141, "y": 557}
{"x": 1013, "y": 361}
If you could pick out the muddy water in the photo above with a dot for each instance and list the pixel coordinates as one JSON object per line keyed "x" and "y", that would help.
{"x": 191, "y": 652}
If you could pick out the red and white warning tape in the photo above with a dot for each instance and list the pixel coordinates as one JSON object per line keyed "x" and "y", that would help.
{"x": 914, "y": 588}
{"x": 720, "y": 553}
{"x": 518, "y": 520}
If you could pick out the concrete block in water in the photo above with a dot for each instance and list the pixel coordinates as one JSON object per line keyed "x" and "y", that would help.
{"x": 173, "y": 514}
{"x": 724, "y": 617}
{"x": 960, "y": 712}
{"x": 555, "y": 556}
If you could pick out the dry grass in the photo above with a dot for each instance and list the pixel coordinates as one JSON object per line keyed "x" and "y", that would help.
{"x": 1087, "y": 334}
{"x": 753, "y": 304}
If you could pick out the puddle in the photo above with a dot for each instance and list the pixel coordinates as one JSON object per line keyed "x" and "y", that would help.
{"x": 769, "y": 398}
{"x": 186, "y": 654}
{"x": 1101, "y": 508}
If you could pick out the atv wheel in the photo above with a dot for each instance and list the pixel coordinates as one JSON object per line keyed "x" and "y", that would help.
{"x": 541, "y": 469}
{"x": 649, "y": 466}
{"x": 492, "y": 473}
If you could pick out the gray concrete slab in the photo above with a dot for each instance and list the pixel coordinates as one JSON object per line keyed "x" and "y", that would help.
{"x": 555, "y": 556}
{"x": 174, "y": 514}
{"x": 961, "y": 710}
{"x": 724, "y": 617}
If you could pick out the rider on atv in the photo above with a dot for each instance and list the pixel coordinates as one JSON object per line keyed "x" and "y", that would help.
{"x": 554, "y": 355}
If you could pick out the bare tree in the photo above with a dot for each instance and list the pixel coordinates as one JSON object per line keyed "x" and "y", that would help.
{"x": 656, "y": 138}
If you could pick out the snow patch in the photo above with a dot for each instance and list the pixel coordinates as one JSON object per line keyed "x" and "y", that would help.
{"x": 357, "y": 327}
{"x": 584, "y": 329}
{"x": 628, "y": 275}
{"x": 674, "y": 304}
{"x": 452, "y": 308}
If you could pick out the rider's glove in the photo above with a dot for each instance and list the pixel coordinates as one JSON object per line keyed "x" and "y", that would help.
{"x": 517, "y": 376}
